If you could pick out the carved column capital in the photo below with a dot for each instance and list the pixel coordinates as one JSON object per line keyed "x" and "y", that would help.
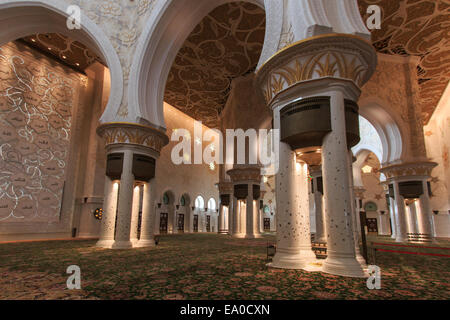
{"x": 409, "y": 171}
{"x": 225, "y": 187}
{"x": 245, "y": 175}
{"x": 120, "y": 133}
{"x": 339, "y": 56}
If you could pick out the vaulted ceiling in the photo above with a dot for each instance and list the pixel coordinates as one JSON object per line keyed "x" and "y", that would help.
{"x": 62, "y": 48}
{"x": 227, "y": 43}
{"x": 417, "y": 28}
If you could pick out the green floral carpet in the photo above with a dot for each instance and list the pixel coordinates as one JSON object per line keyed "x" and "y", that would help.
{"x": 203, "y": 266}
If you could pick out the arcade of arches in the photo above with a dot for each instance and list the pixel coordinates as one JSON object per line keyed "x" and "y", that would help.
{"x": 87, "y": 117}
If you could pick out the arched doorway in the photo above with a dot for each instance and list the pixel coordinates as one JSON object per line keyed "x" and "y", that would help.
{"x": 211, "y": 216}
{"x": 184, "y": 214}
{"x": 165, "y": 217}
{"x": 198, "y": 223}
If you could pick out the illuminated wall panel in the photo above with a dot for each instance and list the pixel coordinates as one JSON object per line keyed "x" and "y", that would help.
{"x": 37, "y": 97}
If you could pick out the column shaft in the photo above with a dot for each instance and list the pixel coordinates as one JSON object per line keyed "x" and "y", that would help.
{"x": 341, "y": 258}
{"x": 293, "y": 236}
{"x": 135, "y": 215}
{"x": 106, "y": 239}
{"x": 231, "y": 215}
{"x": 320, "y": 221}
{"x": 393, "y": 220}
{"x": 425, "y": 215}
{"x": 355, "y": 214}
{"x": 250, "y": 223}
{"x": 148, "y": 215}
{"x": 400, "y": 216}
{"x": 236, "y": 217}
{"x": 221, "y": 219}
{"x": 125, "y": 204}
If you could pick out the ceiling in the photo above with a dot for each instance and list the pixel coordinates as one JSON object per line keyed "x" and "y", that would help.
{"x": 417, "y": 28}
{"x": 227, "y": 43}
{"x": 70, "y": 52}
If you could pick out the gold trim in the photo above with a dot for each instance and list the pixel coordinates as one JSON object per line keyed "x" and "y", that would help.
{"x": 328, "y": 35}
{"x": 130, "y": 124}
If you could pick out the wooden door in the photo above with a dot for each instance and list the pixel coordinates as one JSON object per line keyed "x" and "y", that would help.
{"x": 266, "y": 223}
{"x": 196, "y": 223}
{"x": 208, "y": 223}
{"x": 163, "y": 222}
{"x": 180, "y": 223}
{"x": 372, "y": 225}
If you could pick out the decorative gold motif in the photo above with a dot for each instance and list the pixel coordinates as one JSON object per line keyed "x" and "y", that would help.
{"x": 287, "y": 38}
{"x": 226, "y": 44}
{"x": 417, "y": 28}
{"x": 413, "y": 169}
{"x": 332, "y": 55}
{"x": 131, "y": 133}
{"x": 245, "y": 174}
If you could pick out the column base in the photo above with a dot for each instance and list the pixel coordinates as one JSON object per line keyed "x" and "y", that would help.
{"x": 321, "y": 240}
{"x": 401, "y": 239}
{"x": 252, "y": 236}
{"x": 122, "y": 245}
{"x": 238, "y": 235}
{"x": 343, "y": 266}
{"x": 361, "y": 261}
{"x": 360, "y": 258}
{"x": 144, "y": 243}
{"x": 107, "y": 244}
{"x": 292, "y": 259}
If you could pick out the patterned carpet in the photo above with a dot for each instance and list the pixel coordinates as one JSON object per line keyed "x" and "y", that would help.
{"x": 202, "y": 266}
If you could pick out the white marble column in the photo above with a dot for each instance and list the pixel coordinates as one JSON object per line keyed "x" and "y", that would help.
{"x": 250, "y": 211}
{"x": 242, "y": 218}
{"x": 357, "y": 193}
{"x": 293, "y": 236}
{"x": 148, "y": 215}
{"x": 259, "y": 214}
{"x": 125, "y": 204}
{"x": 355, "y": 214}
{"x": 319, "y": 212}
{"x": 236, "y": 217}
{"x": 341, "y": 258}
{"x": 135, "y": 215}
{"x": 400, "y": 216}
{"x": 425, "y": 214}
{"x": 221, "y": 224}
{"x": 106, "y": 239}
{"x": 231, "y": 213}
{"x": 392, "y": 215}
{"x": 413, "y": 218}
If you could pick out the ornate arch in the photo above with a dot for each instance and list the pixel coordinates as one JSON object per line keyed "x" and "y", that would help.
{"x": 158, "y": 45}
{"x": 21, "y": 18}
{"x": 393, "y": 136}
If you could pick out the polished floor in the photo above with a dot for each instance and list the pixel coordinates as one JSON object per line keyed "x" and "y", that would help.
{"x": 206, "y": 266}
